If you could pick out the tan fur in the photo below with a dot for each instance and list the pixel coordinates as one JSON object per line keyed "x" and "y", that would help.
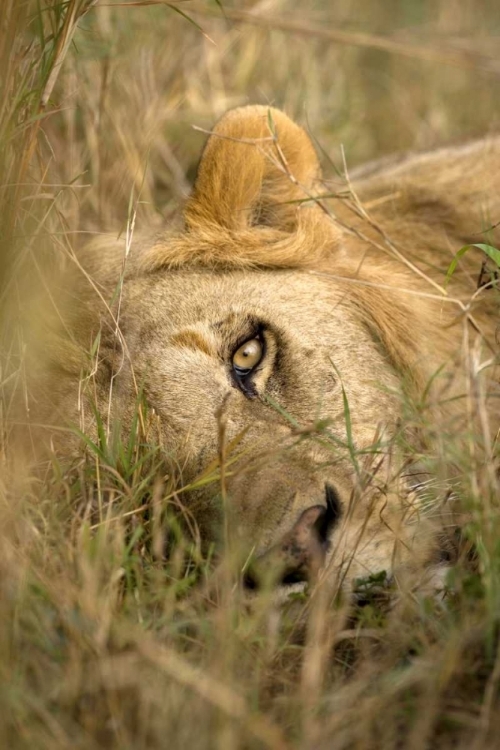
{"x": 352, "y": 311}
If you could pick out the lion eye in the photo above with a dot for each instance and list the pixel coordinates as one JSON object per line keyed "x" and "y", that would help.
{"x": 248, "y": 356}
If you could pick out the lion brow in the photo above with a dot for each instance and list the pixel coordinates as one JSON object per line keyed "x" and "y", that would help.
{"x": 192, "y": 340}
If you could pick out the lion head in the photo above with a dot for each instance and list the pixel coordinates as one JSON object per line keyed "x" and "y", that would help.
{"x": 280, "y": 338}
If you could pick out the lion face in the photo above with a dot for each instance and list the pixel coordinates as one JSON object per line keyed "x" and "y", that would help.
{"x": 279, "y": 343}
{"x": 238, "y": 362}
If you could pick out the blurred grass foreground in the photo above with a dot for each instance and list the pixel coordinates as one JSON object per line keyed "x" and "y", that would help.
{"x": 103, "y": 643}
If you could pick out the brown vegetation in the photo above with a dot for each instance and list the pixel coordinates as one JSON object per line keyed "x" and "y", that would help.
{"x": 105, "y": 641}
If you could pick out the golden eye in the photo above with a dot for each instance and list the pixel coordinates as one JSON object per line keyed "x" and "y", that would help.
{"x": 248, "y": 355}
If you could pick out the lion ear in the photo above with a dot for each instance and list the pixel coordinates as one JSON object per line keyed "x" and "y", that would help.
{"x": 256, "y": 169}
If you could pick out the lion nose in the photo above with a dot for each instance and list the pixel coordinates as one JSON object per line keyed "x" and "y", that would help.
{"x": 301, "y": 552}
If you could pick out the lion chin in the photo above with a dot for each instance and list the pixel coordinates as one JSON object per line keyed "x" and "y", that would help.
{"x": 298, "y": 339}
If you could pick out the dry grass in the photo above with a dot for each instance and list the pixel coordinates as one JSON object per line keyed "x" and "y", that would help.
{"x": 103, "y": 642}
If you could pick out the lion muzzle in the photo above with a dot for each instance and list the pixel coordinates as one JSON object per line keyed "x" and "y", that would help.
{"x": 301, "y": 552}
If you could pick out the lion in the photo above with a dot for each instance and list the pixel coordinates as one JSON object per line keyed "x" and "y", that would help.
{"x": 300, "y": 336}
